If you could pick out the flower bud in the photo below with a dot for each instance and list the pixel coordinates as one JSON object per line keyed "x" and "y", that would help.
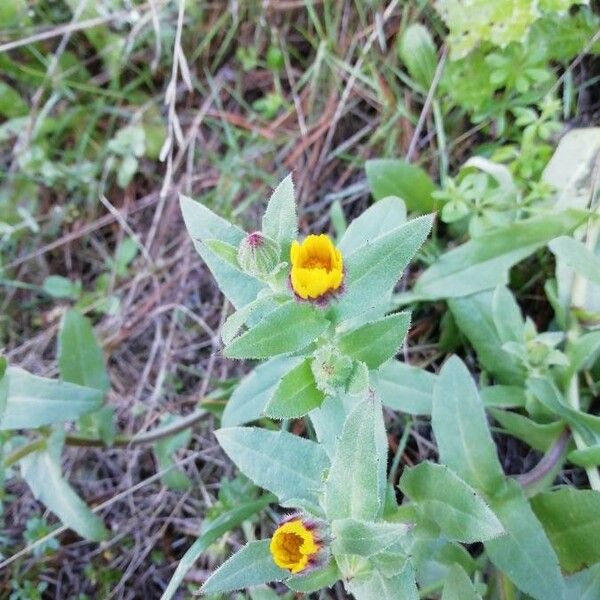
{"x": 332, "y": 370}
{"x": 258, "y": 255}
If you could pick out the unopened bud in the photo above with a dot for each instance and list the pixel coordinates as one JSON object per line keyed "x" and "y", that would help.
{"x": 332, "y": 370}
{"x": 258, "y": 255}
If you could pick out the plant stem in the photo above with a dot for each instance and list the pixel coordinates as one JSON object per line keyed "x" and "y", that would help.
{"x": 122, "y": 441}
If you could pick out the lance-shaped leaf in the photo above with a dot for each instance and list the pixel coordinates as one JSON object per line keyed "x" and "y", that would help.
{"x": 376, "y": 586}
{"x": 80, "y": 357}
{"x": 221, "y": 525}
{"x": 524, "y": 553}
{"x": 287, "y": 465}
{"x": 483, "y": 263}
{"x": 584, "y": 585}
{"x": 252, "y": 565}
{"x": 586, "y": 457}
{"x": 571, "y": 519}
{"x": 248, "y": 401}
{"x": 376, "y": 342}
{"x": 458, "y": 586}
{"x": 203, "y": 225}
{"x": 279, "y": 221}
{"x": 3, "y": 385}
{"x": 373, "y": 270}
{"x": 461, "y": 429}
{"x": 35, "y": 401}
{"x": 453, "y": 504}
{"x": 576, "y": 256}
{"x": 381, "y": 217}
{"x": 289, "y": 328}
{"x": 315, "y": 580}
{"x": 296, "y": 394}
{"x": 42, "y": 472}
{"x": 365, "y": 538}
{"x": 356, "y": 483}
{"x": 404, "y": 387}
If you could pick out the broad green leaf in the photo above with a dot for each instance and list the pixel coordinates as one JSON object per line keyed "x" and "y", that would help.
{"x": 376, "y": 342}
{"x": 524, "y": 553}
{"x": 503, "y": 396}
{"x": 365, "y": 538}
{"x": 61, "y": 287}
{"x": 378, "y": 587}
{"x": 461, "y": 429}
{"x": 164, "y": 449}
{"x": 289, "y": 328}
{"x": 473, "y": 316}
{"x": 586, "y": 457}
{"x": 221, "y": 525}
{"x": 248, "y": 401}
{"x": 395, "y": 177}
{"x": 251, "y": 312}
{"x": 252, "y": 565}
{"x": 379, "y": 218}
{"x": 203, "y": 224}
{"x": 583, "y": 353}
{"x": 417, "y": 51}
{"x": 296, "y": 394}
{"x": 539, "y": 436}
{"x": 80, "y": 357}
{"x": 356, "y": 483}
{"x": 571, "y": 518}
{"x": 315, "y": 580}
{"x": 404, "y": 387}
{"x": 507, "y": 316}
{"x": 576, "y": 256}
{"x": 35, "y": 401}
{"x": 483, "y": 263}
{"x": 225, "y": 251}
{"x": 279, "y": 221}
{"x": 373, "y": 269}
{"x": 453, "y": 504}
{"x": 458, "y": 586}
{"x": 287, "y": 465}
{"x": 584, "y": 585}
{"x": 42, "y": 472}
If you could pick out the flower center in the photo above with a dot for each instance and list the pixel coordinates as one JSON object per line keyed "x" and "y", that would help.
{"x": 289, "y": 546}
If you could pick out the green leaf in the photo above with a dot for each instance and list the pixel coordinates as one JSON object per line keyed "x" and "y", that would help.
{"x": 202, "y": 225}
{"x": 404, "y": 387}
{"x": 586, "y": 457}
{"x": 35, "y": 401}
{"x": 221, "y": 525}
{"x": 287, "y": 465}
{"x": 3, "y": 386}
{"x": 365, "y": 538}
{"x": 539, "y": 436}
{"x": 42, "y": 472}
{"x": 377, "y": 341}
{"x": 254, "y": 311}
{"x": 524, "y": 553}
{"x": 576, "y": 256}
{"x": 374, "y": 269}
{"x": 473, "y": 316}
{"x": 288, "y": 328}
{"x": 453, "y": 504}
{"x": 248, "y": 401}
{"x": 507, "y": 316}
{"x": 378, "y": 587}
{"x": 395, "y": 177}
{"x": 296, "y": 394}
{"x": 461, "y": 429}
{"x": 417, "y": 51}
{"x": 381, "y": 217}
{"x": 458, "y": 586}
{"x": 316, "y": 580}
{"x": 279, "y": 221}
{"x": 584, "y": 585}
{"x": 80, "y": 357}
{"x": 484, "y": 262}
{"x": 61, "y": 287}
{"x": 582, "y": 353}
{"x": 356, "y": 483}
{"x": 165, "y": 448}
{"x": 252, "y": 565}
{"x": 571, "y": 519}
{"x": 225, "y": 251}
{"x": 503, "y": 396}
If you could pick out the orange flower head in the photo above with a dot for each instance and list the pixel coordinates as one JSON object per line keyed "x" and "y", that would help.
{"x": 317, "y": 267}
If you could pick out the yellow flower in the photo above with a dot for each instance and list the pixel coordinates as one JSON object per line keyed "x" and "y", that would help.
{"x": 317, "y": 267}
{"x": 293, "y": 545}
